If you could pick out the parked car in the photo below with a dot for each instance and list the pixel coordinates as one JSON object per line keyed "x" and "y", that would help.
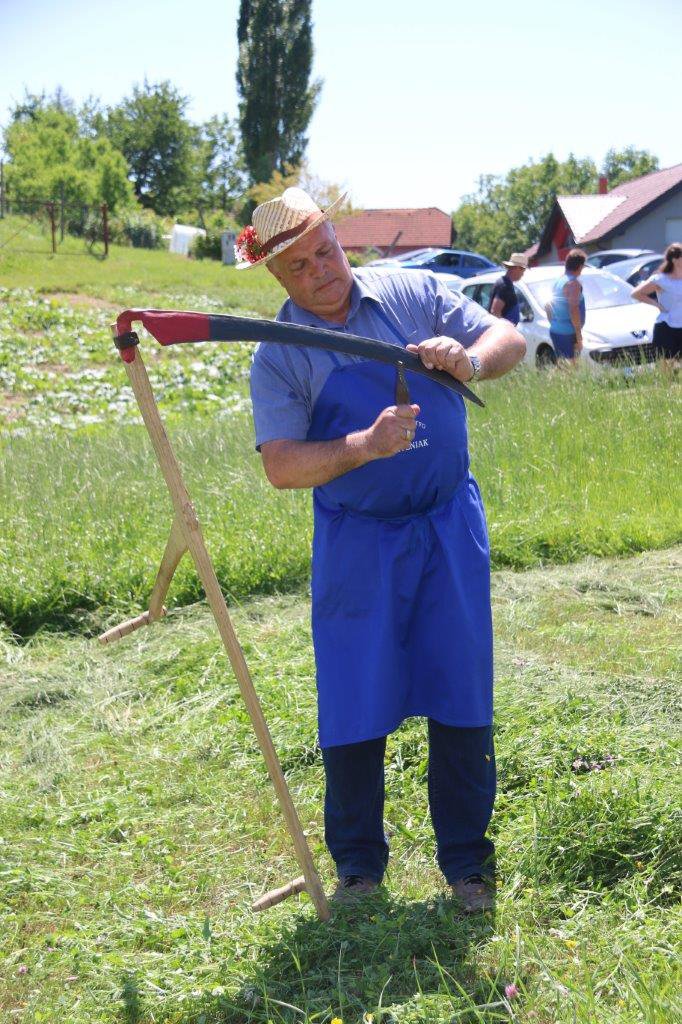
{"x": 446, "y": 261}
{"x": 617, "y": 328}
{"x": 605, "y": 257}
{"x": 401, "y": 258}
{"x": 637, "y": 270}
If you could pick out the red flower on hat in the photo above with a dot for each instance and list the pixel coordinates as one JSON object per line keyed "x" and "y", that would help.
{"x": 247, "y": 248}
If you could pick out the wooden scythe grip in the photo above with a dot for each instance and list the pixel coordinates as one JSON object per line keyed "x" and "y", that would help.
{"x": 129, "y": 626}
{"x": 270, "y": 899}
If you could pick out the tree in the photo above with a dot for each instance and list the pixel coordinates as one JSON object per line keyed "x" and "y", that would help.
{"x": 508, "y": 214}
{"x": 49, "y": 160}
{"x": 628, "y": 163}
{"x": 273, "y": 80}
{"x": 324, "y": 193}
{"x": 152, "y": 132}
{"x": 221, "y": 174}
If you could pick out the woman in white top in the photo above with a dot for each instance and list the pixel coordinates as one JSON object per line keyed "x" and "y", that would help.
{"x": 667, "y": 283}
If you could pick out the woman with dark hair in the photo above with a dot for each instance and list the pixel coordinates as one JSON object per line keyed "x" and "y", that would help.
{"x": 667, "y": 284}
{"x": 566, "y": 309}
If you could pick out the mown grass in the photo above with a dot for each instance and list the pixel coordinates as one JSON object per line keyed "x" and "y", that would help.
{"x": 138, "y": 822}
{"x": 128, "y": 277}
{"x": 568, "y": 464}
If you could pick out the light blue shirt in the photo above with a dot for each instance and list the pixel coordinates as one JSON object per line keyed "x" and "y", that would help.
{"x": 286, "y": 380}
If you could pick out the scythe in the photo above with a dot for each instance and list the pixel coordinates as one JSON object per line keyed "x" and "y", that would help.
{"x": 176, "y": 327}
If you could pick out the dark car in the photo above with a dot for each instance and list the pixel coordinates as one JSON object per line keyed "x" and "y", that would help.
{"x": 458, "y": 262}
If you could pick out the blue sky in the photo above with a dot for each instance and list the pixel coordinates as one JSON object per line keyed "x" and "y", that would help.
{"x": 418, "y": 98}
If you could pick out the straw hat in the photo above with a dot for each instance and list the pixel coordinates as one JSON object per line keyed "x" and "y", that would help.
{"x": 279, "y": 223}
{"x": 517, "y": 259}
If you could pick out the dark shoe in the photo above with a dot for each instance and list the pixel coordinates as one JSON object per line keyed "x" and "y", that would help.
{"x": 475, "y": 893}
{"x": 352, "y": 886}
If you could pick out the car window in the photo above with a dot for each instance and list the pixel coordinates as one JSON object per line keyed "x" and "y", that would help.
{"x": 447, "y": 259}
{"x": 471, "y": 291}
{"x": 600, "y": 291}
{"x": 525, "y": 308}
{"x": 613, "y": 257}
{"x": 476, "y": 261}
{"x": 483, "y": 297}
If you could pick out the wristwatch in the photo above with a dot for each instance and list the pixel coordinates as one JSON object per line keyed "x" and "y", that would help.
{"x": 476, "y": 375}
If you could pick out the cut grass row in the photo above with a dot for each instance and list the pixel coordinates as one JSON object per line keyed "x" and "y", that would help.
{"x": 138, "y": 823}
{"x": 568, "y": 464}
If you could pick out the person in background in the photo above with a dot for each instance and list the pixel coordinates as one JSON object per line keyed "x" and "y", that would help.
{"x": 666, "y": 283}
{"x": 504, "y": 302}
{"x": 566, "y": 310}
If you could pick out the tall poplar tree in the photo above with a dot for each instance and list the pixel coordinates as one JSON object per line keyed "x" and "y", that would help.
{"x": 277, "y": 98}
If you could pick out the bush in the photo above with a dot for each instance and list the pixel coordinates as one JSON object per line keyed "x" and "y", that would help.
{"x": 142, "y": 229}
{"x": 214, "y": 223}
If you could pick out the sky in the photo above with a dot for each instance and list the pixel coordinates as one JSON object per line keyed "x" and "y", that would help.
{"x": 418, "y": 99}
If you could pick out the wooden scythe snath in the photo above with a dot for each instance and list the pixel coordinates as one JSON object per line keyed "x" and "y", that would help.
{"x": 185, "y": 535}
{"x": 171, "y": 327}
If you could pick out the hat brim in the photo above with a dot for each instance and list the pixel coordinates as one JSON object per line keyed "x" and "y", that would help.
{"x": 326, "y": 215}
{"x": 506, "y": 263}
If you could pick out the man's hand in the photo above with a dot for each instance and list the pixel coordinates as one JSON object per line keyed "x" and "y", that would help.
{"x": 392, "y": 431}
{"x": 444, "y": 354}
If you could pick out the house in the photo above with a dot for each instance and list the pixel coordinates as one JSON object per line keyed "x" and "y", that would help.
{"x": 645, "y": 213}
{"x": 392, "y": 232}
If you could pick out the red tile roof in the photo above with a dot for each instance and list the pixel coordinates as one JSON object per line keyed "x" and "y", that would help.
{"x": 378, "y": 228}
{"x": 639, "y": 194}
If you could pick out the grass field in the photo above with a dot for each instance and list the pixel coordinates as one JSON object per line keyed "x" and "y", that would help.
{"x": 138, "y": 823}
{"x": 568, "y": 464}
{"x": 128, "y": 277}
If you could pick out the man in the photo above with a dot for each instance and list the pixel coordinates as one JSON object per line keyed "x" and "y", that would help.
{"x": 400, "y": 575}
{"x": 504, "y": 301}
{"x": 566, "y": 309}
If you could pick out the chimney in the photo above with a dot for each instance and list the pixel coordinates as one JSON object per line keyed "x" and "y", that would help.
{"x": 603, "y": 184}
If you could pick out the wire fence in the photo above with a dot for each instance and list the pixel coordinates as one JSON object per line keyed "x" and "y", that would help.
{"x": 45, "y": 225}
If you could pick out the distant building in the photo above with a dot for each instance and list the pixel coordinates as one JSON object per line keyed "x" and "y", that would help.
{"x": 645, "y": 213}
{"x": 392, "y": 232}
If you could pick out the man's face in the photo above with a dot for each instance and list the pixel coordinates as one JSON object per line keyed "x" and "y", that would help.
{"x": 516, "y": 273}
{"x": 316, "y": 274}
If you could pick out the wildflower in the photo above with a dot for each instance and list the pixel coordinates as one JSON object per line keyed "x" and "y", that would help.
{"x": 511, "y": 991}
{"x": 22, "y": 969}
{"x": 336, "y": 1020}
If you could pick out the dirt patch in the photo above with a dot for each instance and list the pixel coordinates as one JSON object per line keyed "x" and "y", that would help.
{"x": 12, "y": 406}
{"x": 76, "y": 299}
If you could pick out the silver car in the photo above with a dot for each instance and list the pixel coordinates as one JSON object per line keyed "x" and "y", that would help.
{"x": 617, "y": 328}
{"x": 637, "y": 270}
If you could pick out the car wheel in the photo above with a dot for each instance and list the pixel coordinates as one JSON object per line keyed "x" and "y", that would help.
{"x": 544, "y": 357}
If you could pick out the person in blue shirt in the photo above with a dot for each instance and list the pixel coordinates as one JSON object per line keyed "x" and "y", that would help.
{"x": 400, "y": 565}
{"x": 566, "y": 308}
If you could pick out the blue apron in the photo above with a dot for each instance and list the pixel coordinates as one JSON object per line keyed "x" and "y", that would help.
{"x": 400, "y": 572}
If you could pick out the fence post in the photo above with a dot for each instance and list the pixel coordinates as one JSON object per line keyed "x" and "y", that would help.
{"x": 53, "y": 226}
{"x": 61, "y": 212}
{"x": 105, "y": 227}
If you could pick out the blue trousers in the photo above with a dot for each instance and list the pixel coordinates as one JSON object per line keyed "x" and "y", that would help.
{"x": 461, "y": 784}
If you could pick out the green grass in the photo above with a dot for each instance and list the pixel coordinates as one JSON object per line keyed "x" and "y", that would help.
{"x": 128, "y": 277}
{"x": 137, "y": 824}
{"x": 568, "y": 466}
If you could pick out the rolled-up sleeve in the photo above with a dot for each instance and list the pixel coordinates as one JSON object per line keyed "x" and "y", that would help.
{"x": 281, "y": 401}
{"x": 457, "y": 316}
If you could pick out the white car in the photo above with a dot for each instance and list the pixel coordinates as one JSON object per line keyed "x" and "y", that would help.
{"x": 617, "y": 328}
